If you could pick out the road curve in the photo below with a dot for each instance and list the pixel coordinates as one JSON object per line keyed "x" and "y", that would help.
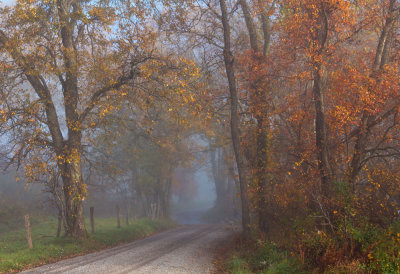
{"x": 187, "y": 249}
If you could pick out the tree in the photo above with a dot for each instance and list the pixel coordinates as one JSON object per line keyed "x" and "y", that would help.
{"x": 378, "y": 71}
{"x": 64, "y": 64}
{"x": 235, "y": 119}
{"x": 253, "y": 65}
{"x": 140, "y": 146}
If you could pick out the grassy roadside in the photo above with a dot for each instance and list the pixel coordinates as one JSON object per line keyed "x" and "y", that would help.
{"x": 15, "y": 256}
{"x": 245, "y": 257}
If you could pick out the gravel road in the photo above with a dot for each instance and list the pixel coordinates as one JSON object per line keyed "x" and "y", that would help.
{"x": 187, "y": 249}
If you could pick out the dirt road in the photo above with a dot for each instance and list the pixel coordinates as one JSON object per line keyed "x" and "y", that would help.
{"x": 187, "y": 249}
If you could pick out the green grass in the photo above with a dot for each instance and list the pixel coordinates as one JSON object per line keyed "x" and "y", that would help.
{"x": 261, "y": 258}
{"x": 238, "y": 266}
{"x": 14, "y": 254}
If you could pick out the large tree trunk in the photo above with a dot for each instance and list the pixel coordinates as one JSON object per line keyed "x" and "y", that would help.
{"x": 320, "y": 39}
{"x": 74, "y": 189}
{"x": 235, "y": 119}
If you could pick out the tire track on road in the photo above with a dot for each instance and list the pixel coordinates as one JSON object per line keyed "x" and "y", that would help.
{"x": 188, "y": 248}
{"x": 100, "y": 255}
{"x": 168, "y": 249}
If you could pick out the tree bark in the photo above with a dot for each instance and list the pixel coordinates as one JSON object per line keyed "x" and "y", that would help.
{"x": 321, "y": 36}
{"x": 74, "y": 193}
{"x": 265, "y": 21}
{"x": 250, "y": 25}
{"x": 229, "y": 63}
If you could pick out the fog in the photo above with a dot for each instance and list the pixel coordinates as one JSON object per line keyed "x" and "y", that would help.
{"x": 18, "y": 198}
{"x": 193, "y": 211}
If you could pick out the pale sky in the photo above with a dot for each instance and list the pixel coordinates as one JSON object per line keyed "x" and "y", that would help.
{"x": 7, "y": 2}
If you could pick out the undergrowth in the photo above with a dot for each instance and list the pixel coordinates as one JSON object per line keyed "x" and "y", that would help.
{"x": 261, "y": 257}
{"x": 369, "y": 249}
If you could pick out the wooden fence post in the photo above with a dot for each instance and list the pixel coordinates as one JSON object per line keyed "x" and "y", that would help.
{"x": 118, "y": 217}
{"x": 92, "y": 219}
{"x": 28, "y": 231}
